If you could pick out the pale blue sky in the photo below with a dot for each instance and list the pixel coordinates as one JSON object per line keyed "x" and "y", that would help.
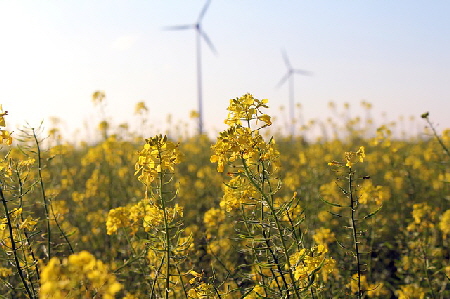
{"x": 54, "y": 54}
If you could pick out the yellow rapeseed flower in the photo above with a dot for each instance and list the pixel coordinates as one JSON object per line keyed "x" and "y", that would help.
{"x": 117, "y": 218}
{"x": 410, "y": 291}
{"x": 140, "y": 108}
{"x": 5, "y": 136}
{"x": 78, "y": 276}
{"x": 352, "y": 158}
{"x": 444, "y": 224}
{"x": 202, "y": 291}
{"x": 246, "y": 108}
{"x": 98, "y": 97}
{"x": 159, "y": 155}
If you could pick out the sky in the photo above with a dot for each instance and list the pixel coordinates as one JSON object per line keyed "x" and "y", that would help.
{"x": 55, "y": 54}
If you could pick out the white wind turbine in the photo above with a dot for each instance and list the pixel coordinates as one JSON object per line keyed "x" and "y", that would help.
{"x": 290, "y": 75}
{"x": 200, "y": 34}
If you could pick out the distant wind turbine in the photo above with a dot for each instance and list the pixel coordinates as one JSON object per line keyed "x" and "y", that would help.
{"x": 290, "y": 75}
{"x": 200, "y": 35}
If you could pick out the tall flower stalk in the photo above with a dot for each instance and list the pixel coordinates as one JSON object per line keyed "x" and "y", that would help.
{"x": 15, "y": 240}
{"x": 351, "y": 211}
{"x": 155, "y": 167}
{"x": 250, "y": 196}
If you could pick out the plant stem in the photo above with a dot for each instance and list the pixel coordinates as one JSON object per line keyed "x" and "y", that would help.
{"x": 425, "y": 269}
{"x": 166, "y": 226}
{"x": 277, "y": 223}
{"x": 33, "y": 256}
{"x": 41, "y": 183}
{"x": 13, "y": 243}
{"x": 437, "y": 136}
{"x": 355, "y": 234}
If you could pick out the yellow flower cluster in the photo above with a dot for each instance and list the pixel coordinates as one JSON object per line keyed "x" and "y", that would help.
{"x": 154, "y": 215}
{"x": 307, "y": 262}
{"x": 17, "y": 220}
{"x": 419, "y": 212}
{"x": 324, "y": 236}
{"x": 444, "y": 224}
{"x": 238, "y": 191}
{"x": 257, "y": 292}
{"x": 194, "y": 114}
{"x": 159, "y": 155}
{"x": 144, "y": 214}
{"x": 424, "y": 217}
{"x": 373, "y": 290}
{"x": 202, "y": 291}
{"x": 213, "y": 217}
{"x": 351, "y": 158}
{"x": 368, "y": 193}
{"x": 117, "y": 218}
{"x": 4, "y": 272}
{"x": 383, "y": 136}
{"x": 78, "y": 276}
{"x": 247, "y": 108}
{"x": 140, "y": 108}
{"x": 5, "y": 136}
{"x": 238, "y": 142}
{"x": 410, "y": 291}
{"x": 98, "y": 97}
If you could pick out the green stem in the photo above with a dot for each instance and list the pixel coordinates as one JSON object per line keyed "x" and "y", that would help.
{"x": 355, "y": 234}
{"x": 182, "y": 284}
{"x": 47, "y": 204}
{"x": 33, "y": 256}
{"x": 425, "y": 269}
{"x": 156, "y": 278}
{"x": 41, "y": 183}
{"x": 277, "y": 223}
{"x": 254, "y": 252}
{"x": 274, "y": 257}
{"x": 13, "y": 243}
{"x": 166, "y": 226}
{"x": 135, "y": 255}
{"x": 437, "y": 137}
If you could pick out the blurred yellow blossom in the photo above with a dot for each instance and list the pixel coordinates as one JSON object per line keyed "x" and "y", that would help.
{"x": 410, "y": 291}
{"x": 98, "y": 97}
{"x": 140, "y": 108}
{"x": 78, "y": 276}
{"x": 444, "y": 224}
{"x": 194, "y": 114}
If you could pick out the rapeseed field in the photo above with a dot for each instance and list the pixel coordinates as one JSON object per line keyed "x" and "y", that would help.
{"x": 357, "y": 213}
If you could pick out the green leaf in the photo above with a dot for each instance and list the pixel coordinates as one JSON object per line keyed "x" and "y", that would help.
{"x": 373, "y": 213}
{"x": 331, "y": 203}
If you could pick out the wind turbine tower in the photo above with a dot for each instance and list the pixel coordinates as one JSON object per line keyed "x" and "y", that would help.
{"x": 290, "y": 76}
{"x": 200, "y": 34}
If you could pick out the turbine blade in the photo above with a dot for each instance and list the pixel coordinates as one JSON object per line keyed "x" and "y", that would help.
{"x": 302, "y": 72}
{"x": 179, "y": 27}
{"x": 286, "y": 59}
{"x": 285, "y": 77}
{"x": 207, "y": 40}
{"x": 204, "y": 9}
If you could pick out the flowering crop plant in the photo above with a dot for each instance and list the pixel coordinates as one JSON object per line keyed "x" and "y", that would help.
{"x": 361, "y": 211}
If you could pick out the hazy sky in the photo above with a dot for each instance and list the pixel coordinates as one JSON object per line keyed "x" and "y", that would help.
{"x": 55, "y": 54}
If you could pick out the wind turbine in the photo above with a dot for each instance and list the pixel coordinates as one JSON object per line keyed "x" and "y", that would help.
{"x": 290, "y": 75}
{"x": 200, "y": 34}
